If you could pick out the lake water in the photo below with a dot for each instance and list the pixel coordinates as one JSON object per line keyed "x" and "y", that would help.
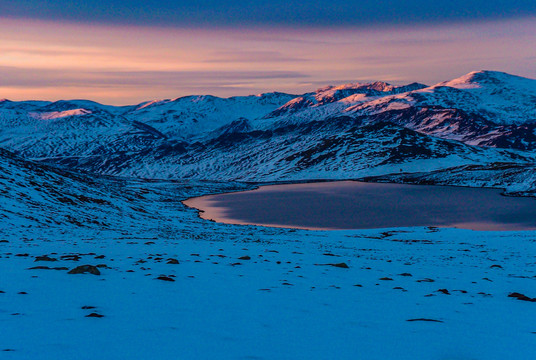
{"x": 359, "y": 205}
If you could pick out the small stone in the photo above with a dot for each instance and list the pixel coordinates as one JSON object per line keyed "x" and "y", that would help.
{"x": 82, "y": 269}
{"x": 423, "y": 319}
{"x": 44, "y": 258}
{"x": 444, "y": 291}
{"x": 95, "y": 315}
{"x": 385, "y": 278}
{"x": 48, "y": 268}
{"x": 340, "y": 265}
{"x": 72, "y": 257}
{"x": 87, "y": 307}
{"x": 405, "y": 274}
{"x": 522, "y": 297}
{"x": 165, "y": 278}
{"x": 246, "y": 257}
{"x": 172, "y": 261}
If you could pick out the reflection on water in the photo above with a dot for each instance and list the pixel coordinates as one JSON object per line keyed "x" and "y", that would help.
{"x": 358, "y": 205}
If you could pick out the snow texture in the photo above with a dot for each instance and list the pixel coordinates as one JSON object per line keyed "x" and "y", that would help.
{"x": 174, "y": 286}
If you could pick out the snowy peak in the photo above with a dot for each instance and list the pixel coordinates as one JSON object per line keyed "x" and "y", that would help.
{"x": 500, "y": 97}
{"x": 379, "y": 88}
{"x": 348, "y": 94}
{"x": 490, "y": 79}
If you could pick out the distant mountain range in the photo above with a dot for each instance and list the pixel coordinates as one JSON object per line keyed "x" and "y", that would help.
{"x": 476, "y": 130}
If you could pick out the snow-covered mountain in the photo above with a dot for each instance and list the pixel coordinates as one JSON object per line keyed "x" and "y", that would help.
{"x": 483, "y": 119}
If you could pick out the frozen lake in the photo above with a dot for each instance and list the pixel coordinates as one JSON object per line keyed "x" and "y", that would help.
{"x": 359, "y": 205}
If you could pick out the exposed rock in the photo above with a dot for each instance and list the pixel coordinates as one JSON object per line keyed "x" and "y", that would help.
{"x": 246, "y": 257}
{"x": 48, "y": 268}
{"x": 44, "y": 258}
{"x": 424, "y": 319}
{"x": 340, "y": 265}
{"x": 385, "y": 278}
{"x": 444, "y": 291}
{"x": 172, "y": 261}
{"x": 95, "y": 315}
{"x": 522, "y": 297}
{"x": 165, "y": 278}
{"x": 82, "y": 269}
{"x": 72, "y": 257}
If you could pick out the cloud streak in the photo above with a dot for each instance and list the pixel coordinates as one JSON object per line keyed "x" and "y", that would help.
{"x": 127, "y": 64}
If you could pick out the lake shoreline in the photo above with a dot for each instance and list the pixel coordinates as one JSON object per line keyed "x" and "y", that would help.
{"x": 216, "y": 213}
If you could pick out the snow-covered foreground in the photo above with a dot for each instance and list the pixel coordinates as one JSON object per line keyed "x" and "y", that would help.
{"x": 285, "y": 302}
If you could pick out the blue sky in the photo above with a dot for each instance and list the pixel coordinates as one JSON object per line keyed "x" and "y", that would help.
{"x": 292, "y": 13}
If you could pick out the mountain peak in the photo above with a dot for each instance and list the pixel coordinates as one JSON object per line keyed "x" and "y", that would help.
{"x": 482, "y": 78}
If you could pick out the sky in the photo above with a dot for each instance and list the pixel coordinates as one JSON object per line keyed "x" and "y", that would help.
{"x": 126, "y": 52}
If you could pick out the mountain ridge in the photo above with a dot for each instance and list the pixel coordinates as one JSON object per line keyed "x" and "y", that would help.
{"x": 343, "y": 131}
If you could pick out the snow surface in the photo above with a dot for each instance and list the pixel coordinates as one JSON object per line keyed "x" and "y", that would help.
{"x": 282, "y": 303}
{"x": 286, "y": 301}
